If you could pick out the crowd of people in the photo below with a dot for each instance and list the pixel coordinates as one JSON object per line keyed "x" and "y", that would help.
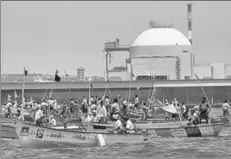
{"x": 101, "y": 110}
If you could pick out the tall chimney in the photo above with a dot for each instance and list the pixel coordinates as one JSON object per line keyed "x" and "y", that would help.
{"x": 190, "y": 23}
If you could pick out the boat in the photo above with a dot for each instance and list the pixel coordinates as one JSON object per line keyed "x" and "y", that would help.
{"x": 174, "y": 130}
{"x": 39, "y": 136}
{"x": 8, "y": 131}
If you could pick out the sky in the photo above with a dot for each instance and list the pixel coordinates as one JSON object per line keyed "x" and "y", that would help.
{"x": 45, "y": 36}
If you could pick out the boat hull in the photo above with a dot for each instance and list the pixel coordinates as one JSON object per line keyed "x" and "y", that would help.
{"x": 36, "y": 136}
{"x": 8, "y": 131}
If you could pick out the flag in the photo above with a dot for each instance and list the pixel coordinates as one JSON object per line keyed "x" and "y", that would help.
{"x": 91, "y": 85}
{"x": 57, "y": 78}
{"x": 66, "y": 74}
{"x": 25, "y": 71}
{"x": 15, "y": 94}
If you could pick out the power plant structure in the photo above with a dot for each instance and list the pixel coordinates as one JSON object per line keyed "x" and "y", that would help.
{"x": 160, "y": 52}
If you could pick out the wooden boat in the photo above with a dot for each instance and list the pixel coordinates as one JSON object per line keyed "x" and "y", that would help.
{"x": 167, "y": 130}
{"x": 8, "y": 131}
{"x": 37, "y": 136}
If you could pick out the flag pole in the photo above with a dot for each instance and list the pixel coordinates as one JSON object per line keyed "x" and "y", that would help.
{"x": 106, "y": 89}
{"x": 89, "y": 89}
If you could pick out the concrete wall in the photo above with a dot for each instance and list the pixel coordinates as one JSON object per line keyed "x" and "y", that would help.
{"x": 183, "y": 90}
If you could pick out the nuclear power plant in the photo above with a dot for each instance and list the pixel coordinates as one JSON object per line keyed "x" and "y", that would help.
{"x": 161, "y": 52}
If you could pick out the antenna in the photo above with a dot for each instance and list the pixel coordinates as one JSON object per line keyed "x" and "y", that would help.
{"x": 190, "y": 23}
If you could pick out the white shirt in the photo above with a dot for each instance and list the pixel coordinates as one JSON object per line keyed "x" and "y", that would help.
{"x": 118, "y": 124}
{"x": 101, "y": 111}
{"x": 184, "y": 108}
{"x": 137, "y": 100}
{"x": 129, "y": 125}
{"x": 38, "y": 114}
{"x": 50, "y": 102}
{"x": 53, "y": 122}
{"x": 225, "y": 106}
{"x": 44, "y": 104}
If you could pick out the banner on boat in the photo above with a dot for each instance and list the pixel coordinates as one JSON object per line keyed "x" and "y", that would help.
{"x": 170, "y": 109}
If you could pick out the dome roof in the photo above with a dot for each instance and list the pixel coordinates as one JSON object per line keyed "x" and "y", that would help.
{"x": 161, "y": 36}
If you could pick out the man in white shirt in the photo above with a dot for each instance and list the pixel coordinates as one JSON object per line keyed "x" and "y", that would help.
{"x": 118, "y": 125}
{"x": 52, "y": 121}
{"x": 129, "y": 126}
{"x": 225, "y": 108}
{"x": 38, "y": 116}
{"x": 101, "y": 112}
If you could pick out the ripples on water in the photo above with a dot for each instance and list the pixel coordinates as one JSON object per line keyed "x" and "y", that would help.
{"x": 212, "y": 147}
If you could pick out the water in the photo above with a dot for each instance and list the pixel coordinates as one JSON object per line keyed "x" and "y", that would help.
{"x": 207, "y": 147}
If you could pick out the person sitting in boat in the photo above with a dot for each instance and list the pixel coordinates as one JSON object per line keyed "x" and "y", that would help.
{"x": 204, "y": 110}
{"x": 38, "y": 116}
{"x": 129, "y": 125}
{"x": 52, "y": 121}
{"x": 194, "y": 119}
{"x": 225, "y": 108}
{"x": 118, "y": 125}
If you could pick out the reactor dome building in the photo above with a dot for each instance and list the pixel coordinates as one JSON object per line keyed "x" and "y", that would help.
{"x": 161, "y": 52}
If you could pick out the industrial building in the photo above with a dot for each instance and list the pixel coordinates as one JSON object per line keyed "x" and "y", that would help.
{"x": 164, "y": 53}
{"x": 161, "y": 51}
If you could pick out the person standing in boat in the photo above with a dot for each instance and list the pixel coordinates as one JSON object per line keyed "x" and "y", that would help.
{"x": 225, "y": 108}
{"x": 101, "y": 112}
{"x": 136, "y": 106}
{"x": 184, "y": 111}
{"x": 166, "y": 114}
{"x": 38, "y": 116}
{"x": 84, "y": 105}
{"x": 115, "y": 108}
{"x": 107, "y": 103}
{"x": 64, "y": 115}
{"x": 204, "y": 110}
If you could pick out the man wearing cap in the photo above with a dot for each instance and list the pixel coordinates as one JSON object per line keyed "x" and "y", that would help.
{"x": 204, "y": 110}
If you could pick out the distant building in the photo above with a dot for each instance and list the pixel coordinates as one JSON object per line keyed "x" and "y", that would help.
{"x": 215, "y": 70}
{"x": 228, "y": 71}
{"x": 81, "y": 74}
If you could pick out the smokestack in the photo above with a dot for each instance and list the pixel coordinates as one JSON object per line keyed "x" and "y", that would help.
{"x": 190, "y": 23}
